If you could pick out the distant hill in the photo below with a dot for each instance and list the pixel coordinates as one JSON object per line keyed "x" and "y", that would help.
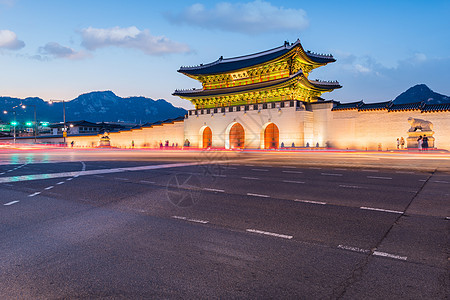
{"x": 421, "y": 93}
{"x": 94, "y": 107}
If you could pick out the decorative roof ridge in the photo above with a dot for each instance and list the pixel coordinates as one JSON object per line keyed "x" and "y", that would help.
{"x": 324, "y": 82}
{"x": 286, "y": 46}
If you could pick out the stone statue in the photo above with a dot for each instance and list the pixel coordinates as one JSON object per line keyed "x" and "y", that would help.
{"x": 419, "y": 124}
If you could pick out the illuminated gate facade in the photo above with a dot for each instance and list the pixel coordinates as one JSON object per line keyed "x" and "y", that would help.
{"x": 207, "y": 137}
{"x": 237, "y": 136}
{"x": 271, "y": 136}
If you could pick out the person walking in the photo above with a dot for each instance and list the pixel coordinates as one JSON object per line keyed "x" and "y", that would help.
{"x": 402, "y": 143}
{"x": 419, "y": 143}
{"x": 398, "y": 143}
{"x": 425, "y": 143}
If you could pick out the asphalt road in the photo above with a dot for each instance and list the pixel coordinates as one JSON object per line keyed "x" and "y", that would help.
{"x": 149, "y": 224}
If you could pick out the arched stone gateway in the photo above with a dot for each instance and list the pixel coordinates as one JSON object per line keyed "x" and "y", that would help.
{"x": 207, "y": 138}
{"x": 271, "y": 136}
{"x": 237, "y": 136}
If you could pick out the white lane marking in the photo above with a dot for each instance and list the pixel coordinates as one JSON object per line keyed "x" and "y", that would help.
{"x": 258, "y": 195}
{"x": 447, "y": 218}
{"x": 368, "y": 170}
{"x": 404, "y": 172}
{"x": 49, "y": 187}
{"x": 214, "y": 190}
{"x": 191, "y": 220}
{"x": 292, "y": 172}
{"x": 384, "y": 254}
{"x": 310, "y": 201}
{"x": 251, "y": 178}
{"x": 380, "y": 209}
{"x": 351, "y": 186}
{"x": 379, "y": 177}
{"x": 284, "y": 236}
{"x": 69, "y": 179}
{"x": 340, "y": 169}
{"x": 315, "y": 168}
{"x": 145, "y": 181}
{"x": 99, "y": 171}
{"x": 330, "y": 174}
{"x": 11, "y": 203}
{"x": 230, "y": 168}
{"x": 32, "y": 195}
{"x": 9, "y": 171}
{"x": 61, "y": 182}
{"x": 355, "y": 249}
{"x": 260, "y": 170}
{"x": 423, "y": 180}
{"x": 441, "y": 181}
{"x": 198, "y": 221}
{"x": 293, "y": 181}
{"x": 3, "y": 173}
{"x": 121, "y": 178}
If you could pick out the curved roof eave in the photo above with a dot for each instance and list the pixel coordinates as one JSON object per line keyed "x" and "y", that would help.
{"x": 241, "y": 62}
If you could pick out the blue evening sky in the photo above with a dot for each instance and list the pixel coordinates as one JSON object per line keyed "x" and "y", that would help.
{"x": 57, "y": 49}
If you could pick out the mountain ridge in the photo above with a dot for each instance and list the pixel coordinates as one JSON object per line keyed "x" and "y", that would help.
{"x": 96, "y": 106}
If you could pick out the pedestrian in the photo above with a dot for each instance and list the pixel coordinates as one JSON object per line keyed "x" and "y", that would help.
{"x": 71, "y": 143}
{"x": 425, "y": 143}
{"x": 402, "y": 142}
{"x": 132, "y": 144}
{"x": 282, "y": 144}
{"x": 419, "y": 143}
{"x": 398, "y": 143}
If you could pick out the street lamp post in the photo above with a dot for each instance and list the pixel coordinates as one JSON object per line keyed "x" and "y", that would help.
{"x": 35, "y": 123}
{"x": 15, "y": 121}
{"x": 64, "y": 117}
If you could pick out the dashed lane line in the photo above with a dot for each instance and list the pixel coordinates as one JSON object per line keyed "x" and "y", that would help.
{"x": 251, "y": 178}
{"x": 374, "y": 252}
{"x": 310, "y": 201}
{"x": 379, "y": 177}
{"x": 351, "y": 186}
{"x": 214, "y": 190}
{"x": 292, "y": 172}
{"x": 61, "y": 182}
{"x": 34, "y": 194}
{"x": 284, "y": 236}
{"x": 49, "y": 187}
{"x": 293, "y": 181}
{"x": 11, "y": 203}
{"x": 260, "y": 170}
{"x": 258, "y": 195}
{"x": 315, "y": 168}
{"x": 382, "y": 210}
{"x": 440, "y": 181}
{"x": 191, "y": 220}
{"x": 330, "y": 174}
{"x": 146, "y": 181}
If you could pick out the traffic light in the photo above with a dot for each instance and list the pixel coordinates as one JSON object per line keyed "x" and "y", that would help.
{"x": 44, "y": 124}
{"x": 14, "y": 123}
{"x": 29, "y": 124}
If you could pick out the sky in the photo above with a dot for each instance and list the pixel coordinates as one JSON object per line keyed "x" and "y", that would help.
{"x": 56, "y": 49}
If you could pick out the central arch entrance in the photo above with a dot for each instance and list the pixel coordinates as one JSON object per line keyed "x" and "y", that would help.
{"x": 237, "y": 136}
{"x": 271, "y": 136}
{"x": 207, "y": 138}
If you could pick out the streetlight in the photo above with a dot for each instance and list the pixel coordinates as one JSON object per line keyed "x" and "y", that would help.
{"x": 35, "y": 123}
{"x": 64, "y": 117}
{"x": 14, "y": 123}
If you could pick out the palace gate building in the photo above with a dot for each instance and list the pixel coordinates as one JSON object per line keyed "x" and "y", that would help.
{"x": 263, "y": 100}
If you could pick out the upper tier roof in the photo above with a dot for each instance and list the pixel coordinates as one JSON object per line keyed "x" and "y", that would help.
{"x": 223, "y": 65}
{"x": 321, "y": 85}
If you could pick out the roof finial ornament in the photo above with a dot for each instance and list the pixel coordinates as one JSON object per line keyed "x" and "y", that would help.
{"x": 221, "y": 58}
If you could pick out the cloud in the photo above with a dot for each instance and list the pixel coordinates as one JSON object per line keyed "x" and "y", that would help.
{"x": 8, "y": 2}
{"x": 8, "y": 40}
{"x": 130, "y": 37}
{"x": 250, "y": 18}
{"x": 56, "y": 50}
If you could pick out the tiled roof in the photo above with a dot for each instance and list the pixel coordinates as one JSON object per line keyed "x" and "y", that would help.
{"x": 253, "y": 86}
{"x": 223, "y": 65}
{"x": 375, "y": 106}
{"x": 406, "y": 106}
{"x": 347, "y": 106}
{"x": 436, "y": 107}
